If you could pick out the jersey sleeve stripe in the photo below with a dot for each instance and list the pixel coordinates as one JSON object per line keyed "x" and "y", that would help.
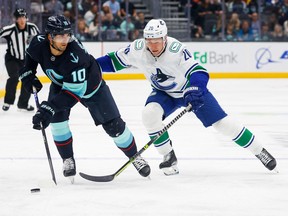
{"x": 190, "y": 70}
{"x": 194, "y": 69}
{"x": 118, "y": 64}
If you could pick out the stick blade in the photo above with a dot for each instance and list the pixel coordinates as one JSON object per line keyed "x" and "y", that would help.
{"x": 107, "y": 178}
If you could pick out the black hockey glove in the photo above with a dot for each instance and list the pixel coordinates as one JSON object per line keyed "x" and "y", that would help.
{"x": 43, "y": 115}
{"x": 194, "y": 96}
{"x": 29, "y": 80}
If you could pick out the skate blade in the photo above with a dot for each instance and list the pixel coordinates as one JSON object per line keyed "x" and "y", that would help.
{"x": 72, "y": 179}
{"x": 173, "y": 170}
{"x": 275, "y": 170}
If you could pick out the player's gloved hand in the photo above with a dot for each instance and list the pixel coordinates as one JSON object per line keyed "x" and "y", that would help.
{"x": 29, "y": 80}
{"x": 194, "y": 96}
{"x": 43, "y": 115}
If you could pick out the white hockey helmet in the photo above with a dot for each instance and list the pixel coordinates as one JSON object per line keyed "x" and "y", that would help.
{"x": 155, "y": 28}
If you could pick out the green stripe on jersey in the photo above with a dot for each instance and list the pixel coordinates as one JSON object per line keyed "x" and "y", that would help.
{"x": 195, "y": 69}
{"x": 245, "y": 138}
{"x": 162, "y": 139}
{"x": 117, "y": 64}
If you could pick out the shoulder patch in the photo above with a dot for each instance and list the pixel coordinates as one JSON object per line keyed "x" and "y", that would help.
{"x": 139, "y": 44}
{"x": 40, "y": 38}
{"x": 174, "y": 47}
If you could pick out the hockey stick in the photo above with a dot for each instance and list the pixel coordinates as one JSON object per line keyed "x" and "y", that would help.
{"x": 45, "y": 138}
{"x": 108, "y": 178}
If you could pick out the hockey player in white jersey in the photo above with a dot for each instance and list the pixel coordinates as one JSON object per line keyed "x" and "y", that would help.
{"x": 177, "y": 80}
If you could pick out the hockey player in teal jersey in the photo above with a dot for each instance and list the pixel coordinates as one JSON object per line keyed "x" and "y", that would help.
{"x": 177, "y": 80}
{"x": 76, "y": 77}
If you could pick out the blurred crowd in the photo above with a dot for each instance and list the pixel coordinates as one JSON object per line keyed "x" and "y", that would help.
{"x": 241, "y": 20}
{"x": 88, "y": 18}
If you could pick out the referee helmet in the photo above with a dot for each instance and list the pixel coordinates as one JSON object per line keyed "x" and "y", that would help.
{"x": 20, "y": 12}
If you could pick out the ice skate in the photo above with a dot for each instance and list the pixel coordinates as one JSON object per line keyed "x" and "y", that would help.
{"x": 267, "y": 159}
{"x": 29, "y": 108}
{"x": 142, "y": 166}
{"x": 69, "y": 168}
{"x": 169, "y": 164}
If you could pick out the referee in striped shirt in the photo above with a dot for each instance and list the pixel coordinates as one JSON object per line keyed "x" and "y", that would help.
{"x": 17, "y": 36}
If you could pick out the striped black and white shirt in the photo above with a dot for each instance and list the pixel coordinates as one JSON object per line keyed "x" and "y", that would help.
{"x": 17, "y": 40}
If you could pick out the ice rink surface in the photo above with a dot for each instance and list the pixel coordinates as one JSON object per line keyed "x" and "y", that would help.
{"x": 217, "y": 177}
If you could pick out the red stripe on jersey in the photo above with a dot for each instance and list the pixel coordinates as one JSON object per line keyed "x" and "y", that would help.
{"x": 73, "y": 95}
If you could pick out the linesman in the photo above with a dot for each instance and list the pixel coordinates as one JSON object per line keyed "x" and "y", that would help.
{"x": 17, "y": 36}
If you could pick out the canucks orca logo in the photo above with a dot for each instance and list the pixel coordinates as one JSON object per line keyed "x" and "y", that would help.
{"x": 162, "y": 81}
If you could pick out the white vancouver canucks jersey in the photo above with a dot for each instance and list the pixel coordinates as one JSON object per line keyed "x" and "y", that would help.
{"x": 170, "y": 72}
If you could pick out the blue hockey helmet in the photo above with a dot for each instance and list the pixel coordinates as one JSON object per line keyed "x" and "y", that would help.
{"x": 58, "y": 25}
{"x": 20, "y": 12}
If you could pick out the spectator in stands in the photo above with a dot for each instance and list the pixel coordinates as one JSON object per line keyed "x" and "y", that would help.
{"x": 245, "y": 33}
{"x": 54, "y": 7}
{"x": 127, "y": 29}
{"x": 107, "y": 18}
{"x": 74, "y": 5}
{"x": 277, "y": 34}
{"x": 230, "y": 32}
{"x": 265, "y": 34}
{"x": 197, "y": 32}
{"x": 235, "y": 21}
{"x": 271, "y": 6}
{"x": 252, "y": 6}
{"x": 131, "y": 9}
{"x": 237, "y": 6}
{"x": 114, "y": 6}
{"x": 216, "y": 7}
{"x": 285, "y": 25}
{"x": 217, "y": 28}
{"x": 204, "y": 9}
{"x": 272, "y": 21}
{"x": 83, "y": 30}
{"x": 36, "y": 6}
{"x": 255, "y": 25}
{"x": 191, "y": 8}
{"x": 70, "y": 17}
{"x": 283, "y": 12}
{"x": 140, "y": 25}
{"x": 94, "y": 28}
{"x": 86, "y": 4}
{"x": 91, "y": 13}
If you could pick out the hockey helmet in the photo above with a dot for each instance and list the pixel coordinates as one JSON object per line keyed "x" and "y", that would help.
{"x": 20, "y": 12}
{"x": 155, "y": 28}
{"x": 58, "y": 25}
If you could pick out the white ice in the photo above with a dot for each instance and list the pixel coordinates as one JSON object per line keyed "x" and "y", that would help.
{"x": 217, "y": 177}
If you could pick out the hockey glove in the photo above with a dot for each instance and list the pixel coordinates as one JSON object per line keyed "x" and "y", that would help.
{"x": 194, "y": 96}
{"x": 43, "y": 115}
{"x": 29, "y": 80}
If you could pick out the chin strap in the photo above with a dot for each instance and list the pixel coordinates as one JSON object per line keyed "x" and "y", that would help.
{"x": 52, "y": 45}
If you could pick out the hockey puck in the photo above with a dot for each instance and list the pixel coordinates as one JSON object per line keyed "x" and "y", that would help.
{"x": 35, "y": 190}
